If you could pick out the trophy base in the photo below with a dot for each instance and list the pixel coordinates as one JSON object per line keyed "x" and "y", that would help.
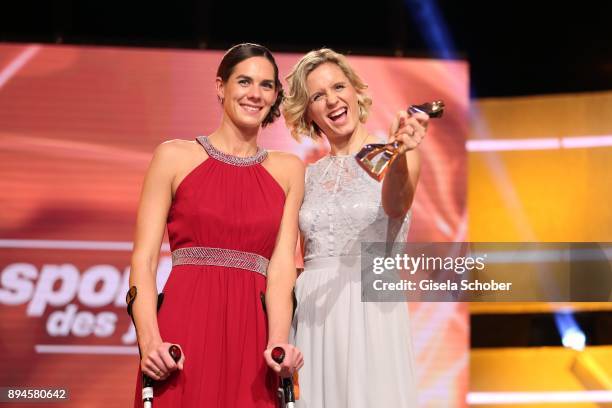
{"x": 376, "y": 158}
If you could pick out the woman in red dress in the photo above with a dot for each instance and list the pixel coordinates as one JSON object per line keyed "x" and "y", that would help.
{"x": 231, "y": 210}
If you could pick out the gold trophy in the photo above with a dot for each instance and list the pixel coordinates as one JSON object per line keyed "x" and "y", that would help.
{"x": 376, "y": 158}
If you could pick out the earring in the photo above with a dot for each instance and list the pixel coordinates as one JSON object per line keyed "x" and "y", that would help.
{"x": 361, "y": 111}
{"x": 314, "y": 131}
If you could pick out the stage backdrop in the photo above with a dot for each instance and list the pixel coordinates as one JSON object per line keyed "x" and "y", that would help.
{"x": 77, "y": 129}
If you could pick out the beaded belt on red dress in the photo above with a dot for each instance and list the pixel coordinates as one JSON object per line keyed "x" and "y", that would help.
{"x": 220, "y": 257}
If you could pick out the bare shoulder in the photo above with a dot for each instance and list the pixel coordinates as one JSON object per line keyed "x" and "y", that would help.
{"x": 176, "y": 147}
{"x": 287, "y": 162}
{"x": 179, "y": 152}
{"x": 176, "y": 157}
{"x": 287, "y": 169}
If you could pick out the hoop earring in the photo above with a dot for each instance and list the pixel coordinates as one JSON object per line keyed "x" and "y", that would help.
{"x": 314, "y": 131}
{"x": 362, "y": 113}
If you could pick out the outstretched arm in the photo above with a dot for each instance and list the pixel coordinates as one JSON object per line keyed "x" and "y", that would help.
{"x": 400, "y": 183}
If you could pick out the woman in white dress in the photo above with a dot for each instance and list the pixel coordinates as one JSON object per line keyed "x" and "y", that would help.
{"x": 357, "y": 354}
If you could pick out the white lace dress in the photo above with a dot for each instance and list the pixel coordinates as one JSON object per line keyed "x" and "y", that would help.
{"x": 356, "y": 354}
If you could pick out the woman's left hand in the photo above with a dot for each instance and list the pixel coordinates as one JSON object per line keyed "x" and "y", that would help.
{"x": 409, "y": 129}
{"x": 293, "y": 359}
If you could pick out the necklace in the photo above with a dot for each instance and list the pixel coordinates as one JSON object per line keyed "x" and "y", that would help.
{"x": 351, "y": 154}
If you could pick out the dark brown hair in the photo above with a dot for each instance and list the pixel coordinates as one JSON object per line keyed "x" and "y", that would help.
{"x": 241, "y": 52}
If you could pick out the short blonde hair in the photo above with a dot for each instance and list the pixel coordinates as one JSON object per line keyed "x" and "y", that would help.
{"x": 295, "y": 105}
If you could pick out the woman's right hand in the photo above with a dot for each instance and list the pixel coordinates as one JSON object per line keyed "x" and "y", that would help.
{"x": 157, "y": 363}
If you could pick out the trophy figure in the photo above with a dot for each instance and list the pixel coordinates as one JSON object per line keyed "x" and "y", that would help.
{"x": 376, "y": 158}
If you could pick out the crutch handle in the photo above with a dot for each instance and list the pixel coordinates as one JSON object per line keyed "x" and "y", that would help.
{"x": 278, "y": 354}
{"x": 175, "y": 352}
{"x": 286, "y": 391}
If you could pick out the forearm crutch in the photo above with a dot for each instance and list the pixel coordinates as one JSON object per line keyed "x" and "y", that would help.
{"x": 174, "y": 350}
{"x": 285, "y": 393}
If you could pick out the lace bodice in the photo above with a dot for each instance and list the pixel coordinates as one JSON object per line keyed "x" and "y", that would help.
{"x": 342, "y": 208}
